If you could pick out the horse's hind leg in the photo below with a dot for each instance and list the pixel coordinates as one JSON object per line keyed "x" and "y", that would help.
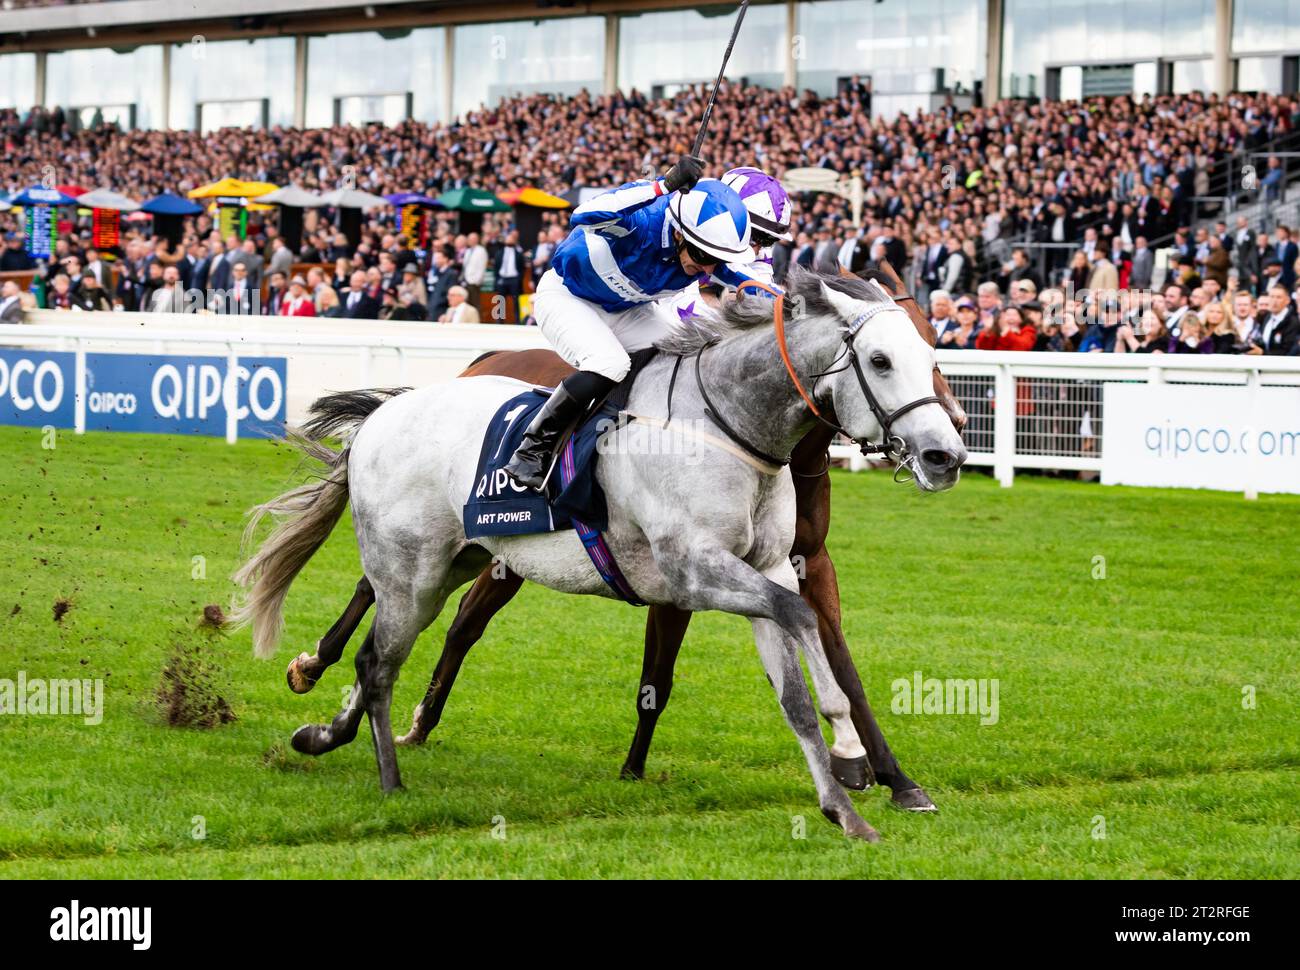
{"x": 305, "y": 669}
{"x": 477, "y": 608}
{"x": 316, "y": 739}
{"x": 664, "y": 631}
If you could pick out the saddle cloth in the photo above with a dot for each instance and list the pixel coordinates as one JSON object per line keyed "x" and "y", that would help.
{"x": 573, "y": 499}
{"x": 499, "y": 507}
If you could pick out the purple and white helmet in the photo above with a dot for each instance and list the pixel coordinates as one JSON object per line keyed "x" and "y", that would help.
{"x": 764, "y": 197}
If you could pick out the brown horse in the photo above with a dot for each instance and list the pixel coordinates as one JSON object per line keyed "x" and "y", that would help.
{"x": 666, "y": 625}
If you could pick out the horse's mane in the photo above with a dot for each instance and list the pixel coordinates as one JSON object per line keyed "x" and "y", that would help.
{"x": 803, "y": 288}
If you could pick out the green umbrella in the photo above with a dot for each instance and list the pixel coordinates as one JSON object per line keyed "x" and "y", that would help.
{"x": 472, "y": 200}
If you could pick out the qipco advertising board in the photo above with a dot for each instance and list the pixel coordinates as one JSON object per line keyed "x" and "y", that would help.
{"x": 149, "y": 393}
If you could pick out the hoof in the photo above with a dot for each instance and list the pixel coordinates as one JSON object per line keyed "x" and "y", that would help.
{"x": 411, "y": 738}
{"x": 310, "y": 739}
{"x": 628, "y": 773}
{"x": 857, "y": 828}
{"x": 299, "y": 682}
{"x": 852, "y": 773}
{"x": 914, "y": 800}
{"x": 854, "y": 826}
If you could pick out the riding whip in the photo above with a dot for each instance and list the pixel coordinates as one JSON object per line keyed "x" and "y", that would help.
{"x": 708, "y": 108}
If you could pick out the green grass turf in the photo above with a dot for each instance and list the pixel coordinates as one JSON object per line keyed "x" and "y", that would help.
{"x": 1119, "y": 697}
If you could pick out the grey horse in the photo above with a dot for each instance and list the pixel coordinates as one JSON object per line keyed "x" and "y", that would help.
{"x": 704, "y": 526}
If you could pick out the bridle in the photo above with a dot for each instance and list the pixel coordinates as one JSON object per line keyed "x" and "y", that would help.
{"x": 893, "y": 447}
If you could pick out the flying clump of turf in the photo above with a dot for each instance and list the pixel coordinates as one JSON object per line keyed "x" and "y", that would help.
{"x": 188, "y": 693}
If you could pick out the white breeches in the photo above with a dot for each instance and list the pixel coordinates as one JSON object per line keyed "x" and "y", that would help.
{"x": 591, "y": 338}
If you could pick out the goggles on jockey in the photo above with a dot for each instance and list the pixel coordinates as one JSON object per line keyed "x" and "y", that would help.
{"x": 696, "y": 255}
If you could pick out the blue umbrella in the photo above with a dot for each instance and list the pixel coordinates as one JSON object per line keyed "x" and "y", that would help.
{"x": 171, "y": 205}
{"x": 400, "y": 199}
{"x": 39, "y": 195}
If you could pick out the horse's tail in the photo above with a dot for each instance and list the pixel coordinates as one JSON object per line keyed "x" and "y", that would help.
{"x": 304, "y": 516}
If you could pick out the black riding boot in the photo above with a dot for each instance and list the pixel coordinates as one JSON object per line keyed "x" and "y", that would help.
{"x": 567, "y": 404}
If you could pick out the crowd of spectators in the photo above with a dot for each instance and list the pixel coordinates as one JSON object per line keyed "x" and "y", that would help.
{"x": 963, "y": 200}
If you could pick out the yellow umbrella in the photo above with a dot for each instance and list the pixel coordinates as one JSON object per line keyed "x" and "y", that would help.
{"x": 535, "y": 198}
{"x": 232, "y": 188}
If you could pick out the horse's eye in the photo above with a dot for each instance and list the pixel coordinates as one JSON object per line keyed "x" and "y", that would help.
{"x": 880, "y": 362}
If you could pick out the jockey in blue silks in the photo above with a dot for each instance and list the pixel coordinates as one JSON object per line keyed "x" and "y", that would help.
{"x": 642, "y": 242}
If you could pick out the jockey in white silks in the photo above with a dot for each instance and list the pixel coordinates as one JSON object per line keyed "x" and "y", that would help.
{"x": 640, "y": 243}
{"x": 769, "y": 209}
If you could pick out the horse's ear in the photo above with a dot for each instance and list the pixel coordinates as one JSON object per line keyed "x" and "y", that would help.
{"x": 842, "y": 303}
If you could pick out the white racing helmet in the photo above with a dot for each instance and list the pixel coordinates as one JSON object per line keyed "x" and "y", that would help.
{"x": 712, "y": 219}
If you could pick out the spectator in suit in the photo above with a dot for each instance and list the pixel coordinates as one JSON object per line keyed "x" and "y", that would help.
{"x": 246, "y": 253}
{"x": 1176, "y": 307}
{"x": 474, "y": 266}
{"x": 941, "y": 312}
{"x": 15, "y": 258}
{"x": 1021, "y": 270}
{"x": 361, "y": 302}
{"x": 988, "y": 301}
{"x": 1217, "y": 262}
{"x": 170, "y": 297}
{"x": 804, "y": 251}
{"x": 297, "y": 302}
{"x": 1246, "y": 324}
{"x": 508, "y": 267}
{"x": 1144, "y": 265}
{"x": 459, "y": 309}
{"x": 276, "y": 291}
{"x": 281, "y": 257}
{"x": 1287, "y": 254}
{"x": 1280, "y": 329}
{"x": 241, "y": 297}
{"x": 11, "y": 303}
{"x": 442, "y": 277}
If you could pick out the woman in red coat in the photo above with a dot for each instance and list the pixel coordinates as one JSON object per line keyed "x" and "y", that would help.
{"x": 1009, "y": 331}
{"x": 299, "y": 302}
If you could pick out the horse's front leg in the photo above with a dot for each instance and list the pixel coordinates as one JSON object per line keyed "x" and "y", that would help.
{"x": 710, "y": 578}
{"x": 821, "y": 590}
{"x": 665, "y": 629}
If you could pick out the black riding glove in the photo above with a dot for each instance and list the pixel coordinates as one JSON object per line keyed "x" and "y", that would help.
{"x": 684, "y": 174}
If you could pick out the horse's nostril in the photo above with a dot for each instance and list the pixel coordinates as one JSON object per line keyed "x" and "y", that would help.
{"x": 938, "y": 459}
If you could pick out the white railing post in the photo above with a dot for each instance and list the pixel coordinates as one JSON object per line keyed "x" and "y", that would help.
{"x": 365, "y": 366}
{"x": 1252, "y": 460}
{"x": 1004, "y": 426}
{"x": 230, "y": 394}
{"x": 79, "y": 379}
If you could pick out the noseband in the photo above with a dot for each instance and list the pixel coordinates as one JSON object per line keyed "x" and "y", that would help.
{"x": 892, "y": 447}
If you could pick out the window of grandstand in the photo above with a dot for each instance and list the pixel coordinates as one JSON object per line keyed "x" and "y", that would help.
{"x": 101, "y": 77}
{"x": 914, "y": 50}
{"x": 1259, "y": 74}
{"x": 1085, "y": 32}
{"x": 673, "y": 48}
{"x": 252, "y": 79}
{"x": 245, "y": 113}
{"x": 357, "y": 78}
{"x": 494, "y": 61}
{"x": 17, "y": 80}
{"x": 1265, "y": 25}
